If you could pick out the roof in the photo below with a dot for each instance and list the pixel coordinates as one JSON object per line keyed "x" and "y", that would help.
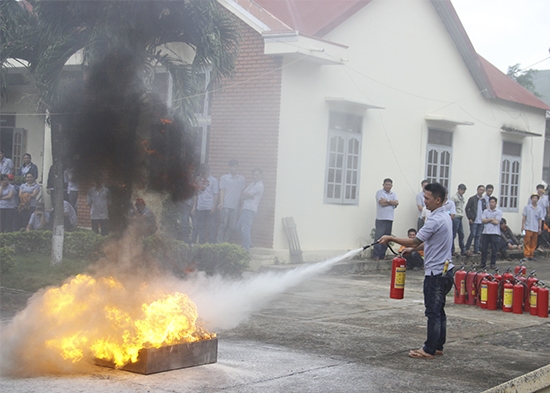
{"x": 507, "y": 89}
{"x": 316, "y": 18}
{"x": 312, "y": 17}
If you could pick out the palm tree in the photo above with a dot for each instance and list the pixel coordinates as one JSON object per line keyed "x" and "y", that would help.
{"x": 122, "y": 42}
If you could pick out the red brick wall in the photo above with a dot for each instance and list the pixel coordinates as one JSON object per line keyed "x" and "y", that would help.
{"x": 245, "y": 125}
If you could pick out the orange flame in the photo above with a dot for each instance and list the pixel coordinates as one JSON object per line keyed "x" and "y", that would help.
{"x": 117, "y": 327}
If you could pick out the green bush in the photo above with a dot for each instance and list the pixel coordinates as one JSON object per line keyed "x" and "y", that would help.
{"x": 6, "y": 259}
{"x": 77, "y": 244}
{"x": 180, "y": 258}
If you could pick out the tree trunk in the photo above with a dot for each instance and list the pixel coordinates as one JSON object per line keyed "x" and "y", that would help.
{"x": 57, "y": 193}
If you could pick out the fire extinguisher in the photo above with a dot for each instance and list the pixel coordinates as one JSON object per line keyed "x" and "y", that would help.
{"x": 483, "y": 292}
{"x": 531, "y": 281}
{"x": 520, "y": 270}
{"x": 479, "y": 279}
{"x": 506, "y": 276}
{"x": 398, "y": 272}
{"x": 470, "y": 286}
{"x": 508, "y": 296}
{"x": 517, "y": 302}
{"x": 533, "y": 295}
{"x": 460, "y": 286}
{"x": 492, "y": 294}
{"x": 542, "y": 301}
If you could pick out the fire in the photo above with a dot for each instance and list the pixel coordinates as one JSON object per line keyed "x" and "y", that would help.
{"x": 113, "y": 323}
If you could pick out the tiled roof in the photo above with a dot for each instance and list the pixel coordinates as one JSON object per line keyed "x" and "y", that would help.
{"x": 507, "y": 89}
{"x": 312, "y": 17}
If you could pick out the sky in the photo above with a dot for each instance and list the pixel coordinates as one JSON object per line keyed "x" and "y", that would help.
{"x": 507, "y": 32}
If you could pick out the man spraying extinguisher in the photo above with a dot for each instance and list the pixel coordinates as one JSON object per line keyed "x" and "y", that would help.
{"x": 435, "y": 237}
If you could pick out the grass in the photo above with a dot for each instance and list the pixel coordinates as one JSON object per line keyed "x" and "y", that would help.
{"x": 32, "y": 272}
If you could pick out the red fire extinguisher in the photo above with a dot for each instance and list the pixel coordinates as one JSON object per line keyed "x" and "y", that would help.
{"x": 483, "y": 292}
{"x": 506, "y": 276}
{"x": 520, "y": 270}
{"x": 533, "y": 295}
{"x": 398, "y": 272}
{"x": 517, "y": 302}
{"x": 492, "y": 294}
{"x": 460, "y": 286}
{"x": 507, "y": 299}
{"x": 470, "y": 287}
{"x": 542, "y": 302}
{"x": 479, "y": 279}
{"x": 531, "y": 281}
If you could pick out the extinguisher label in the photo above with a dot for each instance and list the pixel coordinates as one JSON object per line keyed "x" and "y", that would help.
{"x": 462, "y": 288}
{"x": 533, "y": 299}
{"x": 508, "y": 297}
{"x": 483, "y": 294}
{"x": 400, "y": 277}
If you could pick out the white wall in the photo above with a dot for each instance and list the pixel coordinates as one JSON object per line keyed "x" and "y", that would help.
{"x": 402, "y": 58}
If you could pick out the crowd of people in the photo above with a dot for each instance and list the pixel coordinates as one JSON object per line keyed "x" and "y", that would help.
{"x": 218, "y": 209}
{"x": 488, "y": 227}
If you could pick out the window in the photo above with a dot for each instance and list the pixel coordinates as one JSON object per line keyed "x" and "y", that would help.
{"x": 509, "y": 176}
{"x": 439, "y": 154}
{"x": 12, "y": 140}
{"x": 343, "y": 159}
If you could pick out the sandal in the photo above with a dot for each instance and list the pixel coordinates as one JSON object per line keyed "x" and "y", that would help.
{"x": 420, "y": 354}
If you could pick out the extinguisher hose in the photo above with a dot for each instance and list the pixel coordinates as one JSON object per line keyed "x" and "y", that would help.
{"x": 369, "y": 245}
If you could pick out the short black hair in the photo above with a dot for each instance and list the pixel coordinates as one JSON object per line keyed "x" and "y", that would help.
{"x": 387, "y": 180}
{"x": 540, "y": 186}
{"x": 493, "y": 198}
{"x": 411, "y": 230}
{"x": 489, "y": 186}
{"x": 424, "y": 181}
{"x": 437, "y": 190}
{"x": 481, "y": 185}
{"x": 503, "y": 221}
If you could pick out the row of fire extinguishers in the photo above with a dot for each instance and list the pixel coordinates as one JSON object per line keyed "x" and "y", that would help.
{"x": 516, "y": 293}
{"x": 510, "y": 292}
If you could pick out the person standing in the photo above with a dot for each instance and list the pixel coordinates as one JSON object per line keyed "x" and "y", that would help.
{"x": 28, "y": 192}
{"x": 251, "y": 196}
{"x": 72, "y": 185}
{"x": 231, "y": 187}
{"x": 6, "y": 164}
{"x": 28, "y": 166}
{"x": 458, "y": 228}
{"x": 491, "y": 232}
{"x": 386, "y": 202}
{"x": 99, "y": 199}
{"x": 205, "y": 206}
{"x": 7, "y": 204}
{"x": 420, "y": 205}
{"x": 435, "y": 237}
{"x": 474, "y": 209}
{"x": 531, "y": 223}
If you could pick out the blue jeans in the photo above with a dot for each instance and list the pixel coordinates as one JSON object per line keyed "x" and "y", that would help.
{"x": 494, "y": 242}
{"x": 383, "y": 227}
{"x": 228, "y": 221}
{"x": 435, "y": 290}
{"x": 475, "y": 235}
{"x": 458, "y": 229}
{"x": 245, "y": 226}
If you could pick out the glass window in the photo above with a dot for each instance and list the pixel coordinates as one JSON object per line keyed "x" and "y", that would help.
{"x": 509, "y": 176}
{"x": 343, "y": 158}
{"x": 439, "y": 157}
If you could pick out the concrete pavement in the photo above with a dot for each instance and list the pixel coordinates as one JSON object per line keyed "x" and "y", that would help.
{"x": 340, "y": 332}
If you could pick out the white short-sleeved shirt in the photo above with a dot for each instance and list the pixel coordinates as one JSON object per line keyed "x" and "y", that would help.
{"x": 255, "y": 189}
{"x": 532, "y": 217}
{"x": 437, "y": 235}
{"x": 385, "y": 212}
{"x": 489, "y": 228}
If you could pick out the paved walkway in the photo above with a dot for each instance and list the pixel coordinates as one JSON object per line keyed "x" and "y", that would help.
{"x": 340, "y": 332}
